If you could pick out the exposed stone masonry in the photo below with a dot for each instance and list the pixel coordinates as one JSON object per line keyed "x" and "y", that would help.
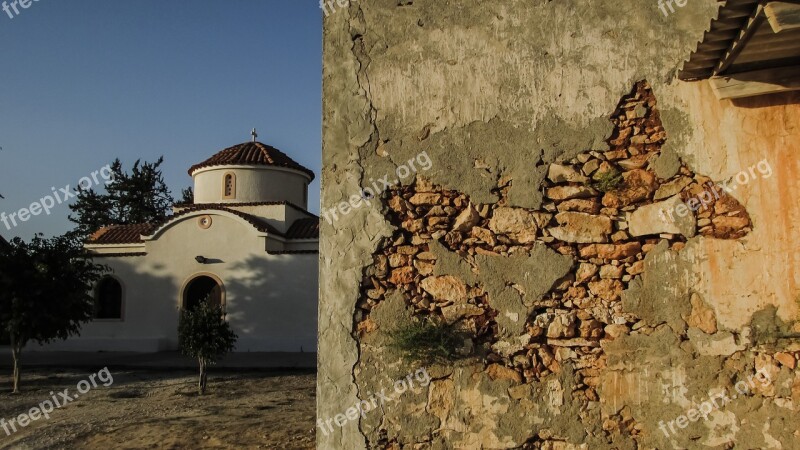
{"x": 604, "y": 210}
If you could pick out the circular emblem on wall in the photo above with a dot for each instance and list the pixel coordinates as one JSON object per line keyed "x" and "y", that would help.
{"x": 204, "y": 222}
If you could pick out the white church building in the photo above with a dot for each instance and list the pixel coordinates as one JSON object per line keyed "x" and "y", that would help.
{"x": 247, "y": 243}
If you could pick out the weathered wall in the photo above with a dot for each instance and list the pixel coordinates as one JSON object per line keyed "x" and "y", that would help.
{"x": 589, "y": 326}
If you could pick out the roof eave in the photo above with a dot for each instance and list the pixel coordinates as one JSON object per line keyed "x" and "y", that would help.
{"x": 203, "y": 167}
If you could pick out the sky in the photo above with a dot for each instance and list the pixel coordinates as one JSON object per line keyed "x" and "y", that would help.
{"x": 85, "y": 82}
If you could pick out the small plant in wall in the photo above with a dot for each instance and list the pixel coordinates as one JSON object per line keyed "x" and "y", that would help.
{"x": 204, "y": 334}
{"x": 428, "y": 341}
{"x": 608, "y": 180}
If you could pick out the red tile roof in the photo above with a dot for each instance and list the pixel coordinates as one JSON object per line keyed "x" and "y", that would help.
{"x": 307, "y": 228}
{"x": 257, "y": 223}
{"x": 304, "y": 229}
{"x": 251, "y": 153}
{"x": 121, "y": 234}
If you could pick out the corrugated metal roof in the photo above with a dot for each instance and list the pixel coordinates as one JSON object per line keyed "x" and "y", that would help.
{"x": 716, "y": 42}
{"x": 741, "y": 39}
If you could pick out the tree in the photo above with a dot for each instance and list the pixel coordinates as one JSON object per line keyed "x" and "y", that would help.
{"x": 188, "y": 196}
{"x": 137, "y": 197}
{"x": 44, "y": 292}
{"x": 204, "y": 334}
{"x": 4, "y": 247}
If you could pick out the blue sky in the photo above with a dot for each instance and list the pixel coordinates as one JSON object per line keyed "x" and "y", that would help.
{"x": 84, "y": 82}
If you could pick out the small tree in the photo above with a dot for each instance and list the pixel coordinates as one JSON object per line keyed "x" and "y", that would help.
{"x": 203, "y": 333}
{"x": 44, "y": 292}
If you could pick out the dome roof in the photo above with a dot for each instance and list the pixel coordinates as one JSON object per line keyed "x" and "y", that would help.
{"x": 251, "y": 153}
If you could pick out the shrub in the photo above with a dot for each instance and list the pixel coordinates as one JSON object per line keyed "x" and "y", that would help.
{"x": 204, "y": 334}
{"x": 428, "y": 341}
{"x": 607, "y": 181}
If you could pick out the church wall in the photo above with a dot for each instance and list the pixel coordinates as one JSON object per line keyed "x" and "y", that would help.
{"x": 302, "y": 245}
{"x": 285, "y": 309}
{"x": 149, "y": 313}
{"x": 252, "y": 185}
{"x": 495, "y": 93}
{"x": 270, "y": 299}
{"x": 274, "y": 215}
{"x": 293, "y": 214}
{"x": 279, "y": 216}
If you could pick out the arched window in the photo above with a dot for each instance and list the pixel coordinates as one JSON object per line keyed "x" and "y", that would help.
{"x": 229, "y": 185}
{"x": 108, "y": 299}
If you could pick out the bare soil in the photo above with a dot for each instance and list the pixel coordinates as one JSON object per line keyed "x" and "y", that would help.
{"x": 161, "y": 410}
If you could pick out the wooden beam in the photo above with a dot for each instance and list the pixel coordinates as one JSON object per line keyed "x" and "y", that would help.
{"x": 760, "y": 82}
{"x": 747, "y": 31}
{"x": 766, "y": 53}
{"x": 783, "y": 15}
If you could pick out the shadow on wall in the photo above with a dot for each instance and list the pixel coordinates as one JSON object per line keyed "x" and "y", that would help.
{"x": 149, "y": 320}
{"x": 270, "y": 303}
{"x": 761, "y": 101}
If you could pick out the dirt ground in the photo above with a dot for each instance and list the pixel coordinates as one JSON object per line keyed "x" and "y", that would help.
{"x": 161, "y": 410}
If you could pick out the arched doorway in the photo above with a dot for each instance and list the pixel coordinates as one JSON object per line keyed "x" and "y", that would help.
{"x": 203, "y": 288}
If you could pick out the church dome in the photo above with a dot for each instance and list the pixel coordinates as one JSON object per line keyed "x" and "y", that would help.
{"x": 252, "y": 154}
{"x": 251, "y": 173}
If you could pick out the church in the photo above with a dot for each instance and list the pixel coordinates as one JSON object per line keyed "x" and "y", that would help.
{"x": 247, "y": 243}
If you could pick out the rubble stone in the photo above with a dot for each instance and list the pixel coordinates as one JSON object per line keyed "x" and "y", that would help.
{"x": 425, "y": 198}
{"x": 617, "y": 251}
{"x": 581, "y": 228}
{"x": 570, "y": 192}
{"x": 445, "y": 288}
{"x": 608, "y": 290}
{"x": 454, "y": 313}
{"x": 588, "y": 206}
{"x": 662, "y": 217}
{"x": 468, "y": 218}
{"x": 637, "y": 185}
{"x": 674, "y": 187}
{"x": 564, "y": 174}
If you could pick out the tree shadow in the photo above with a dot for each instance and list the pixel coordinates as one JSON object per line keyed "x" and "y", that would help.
{"x": 269, "y": 304}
